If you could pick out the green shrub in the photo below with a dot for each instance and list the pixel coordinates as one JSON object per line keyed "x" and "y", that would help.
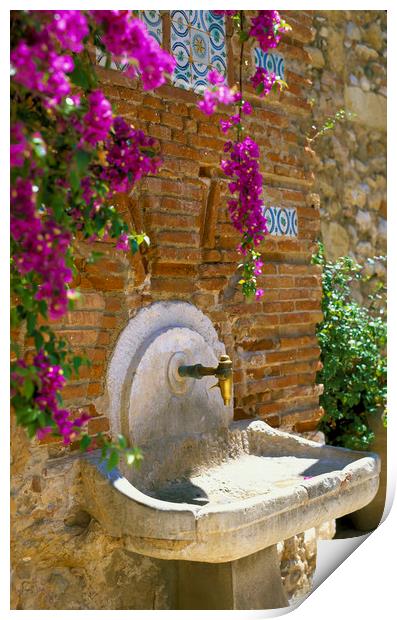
{"x": 352, "y": 339}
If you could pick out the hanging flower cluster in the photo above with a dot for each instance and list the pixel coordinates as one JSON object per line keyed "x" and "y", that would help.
{"x": 129, "y": 156}
{"x": 62, "y": 179}
{"x": 41, "y": 248}
{"x": 36, "y": 62}
{"x": 234, "y": 120}
{"x": 70, "y": 28}
{"x": 246, "y": 209}
{"x": 219, "y": 93}
{"x": 267, "y": 28}
{"x": 98, "y": 119}
{"x": 38, "y": 67}
{"x": 49, "y": 381}
{"x": 263, "y": 81}
{"x": 129, "y": 41}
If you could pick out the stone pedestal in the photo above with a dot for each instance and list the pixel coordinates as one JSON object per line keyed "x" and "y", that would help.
{"x": 251, "y": 582}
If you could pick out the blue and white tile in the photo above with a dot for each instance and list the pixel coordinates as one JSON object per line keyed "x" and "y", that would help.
{"x": 214, "y": 18}
{"x": 181, "y": 52}
{"x": 197, "y": 20}
{"x": 180, "y": 22}
{"x": 271, "y": 62}
{"x": 281, "y": 221}
{"x": 198, "y": 43}
{"x": 199, "y": 77}
{"x": 180, "y": 34}
{"x": 182, "y": 79}
{"x": 200, "y": 46}
{"x": 154, "y": 24}
{"x": 219, "y": 63}
{"x": 217, "y": 41}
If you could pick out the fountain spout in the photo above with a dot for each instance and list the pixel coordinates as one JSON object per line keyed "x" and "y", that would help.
{"x": 223, "y": 372}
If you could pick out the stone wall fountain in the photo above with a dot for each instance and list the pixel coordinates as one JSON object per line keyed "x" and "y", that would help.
{"x": 212, "y": 495}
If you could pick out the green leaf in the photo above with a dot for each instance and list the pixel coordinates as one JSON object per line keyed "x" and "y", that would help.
{"x": 122, "y": 442}
{"x": 28, "y": 388}
{"x": 134, "y": 245}
{"x": 31, "y": 430}
{"x": 75, "y": 180}
{"x": 80, "y": 76}
{"x": 31, "y": 323}
{"x": 85, "y": 442}
{"x": 113, "y": 460}
{"x": 83, "y": 159}
{"x": 77, "y": 362}
{"x": 38, "y": 340}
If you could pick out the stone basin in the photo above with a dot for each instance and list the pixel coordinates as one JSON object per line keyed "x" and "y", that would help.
{"x": 221, "y": 496}
{"x": 212, "y": 496}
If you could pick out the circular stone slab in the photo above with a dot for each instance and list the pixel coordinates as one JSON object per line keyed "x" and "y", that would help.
{"x": 160, "y": 409}
{"x": 134, "y": 341}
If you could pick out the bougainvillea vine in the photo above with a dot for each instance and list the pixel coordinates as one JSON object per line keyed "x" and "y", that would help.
{"x": 69, "y": 155}
{"x": 241, "y": 163}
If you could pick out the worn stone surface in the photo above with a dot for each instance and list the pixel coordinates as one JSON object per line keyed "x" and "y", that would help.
{"x": 230, "y": 494}
{"x": 252, "y": 582}
{"x": 142, "y": 390}
{"x": 61, "y": 557}
{"x": 297, "y": 557}
{"x": 350, "y": 165}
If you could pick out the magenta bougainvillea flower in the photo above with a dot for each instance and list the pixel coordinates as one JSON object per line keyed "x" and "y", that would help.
{"x": 130, "y": 155}
{"x": 128, "y": 39}
{"x": 42, "y": 247}
{"x": 98, "y": 119}
{"x": 263, "y": 81}
{"x": 217, "y": 93}
{"x": 50, "y": 380}
{"x": 39, "y": 67}
{"x": 267, "y": 27}
{"x": 19, "y": 148}
{"x": 246, "y": 210}
{"x": 70, "y": 28}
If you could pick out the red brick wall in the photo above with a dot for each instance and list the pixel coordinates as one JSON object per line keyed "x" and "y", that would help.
{"x": 192, "y": 253}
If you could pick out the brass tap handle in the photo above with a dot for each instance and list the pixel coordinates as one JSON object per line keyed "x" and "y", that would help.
{"x": 223, "y": 372}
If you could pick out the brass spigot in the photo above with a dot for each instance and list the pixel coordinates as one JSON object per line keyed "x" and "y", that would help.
{"x": 223, "y": 372}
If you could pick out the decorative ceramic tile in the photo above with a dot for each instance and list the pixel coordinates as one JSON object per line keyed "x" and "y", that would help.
{"x": 198, "y": 44}
{"x": 180, "y": 49}
{"x": 272, "y": 62}
{"x": 154, "y": 24}
{"x": 281, "y": 221}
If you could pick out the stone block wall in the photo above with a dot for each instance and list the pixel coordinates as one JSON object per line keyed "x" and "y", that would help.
{"x": 348, "y": 59}
{"x": 61, "y": 558}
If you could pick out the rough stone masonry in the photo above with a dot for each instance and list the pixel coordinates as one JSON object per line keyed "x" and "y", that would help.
{"x": 348, "y": 59}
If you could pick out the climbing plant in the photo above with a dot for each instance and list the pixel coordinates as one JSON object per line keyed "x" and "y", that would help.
{"x": 69, "y": 156}
{"x": 242, "y": 154}
{"x": 352, "y": 339}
